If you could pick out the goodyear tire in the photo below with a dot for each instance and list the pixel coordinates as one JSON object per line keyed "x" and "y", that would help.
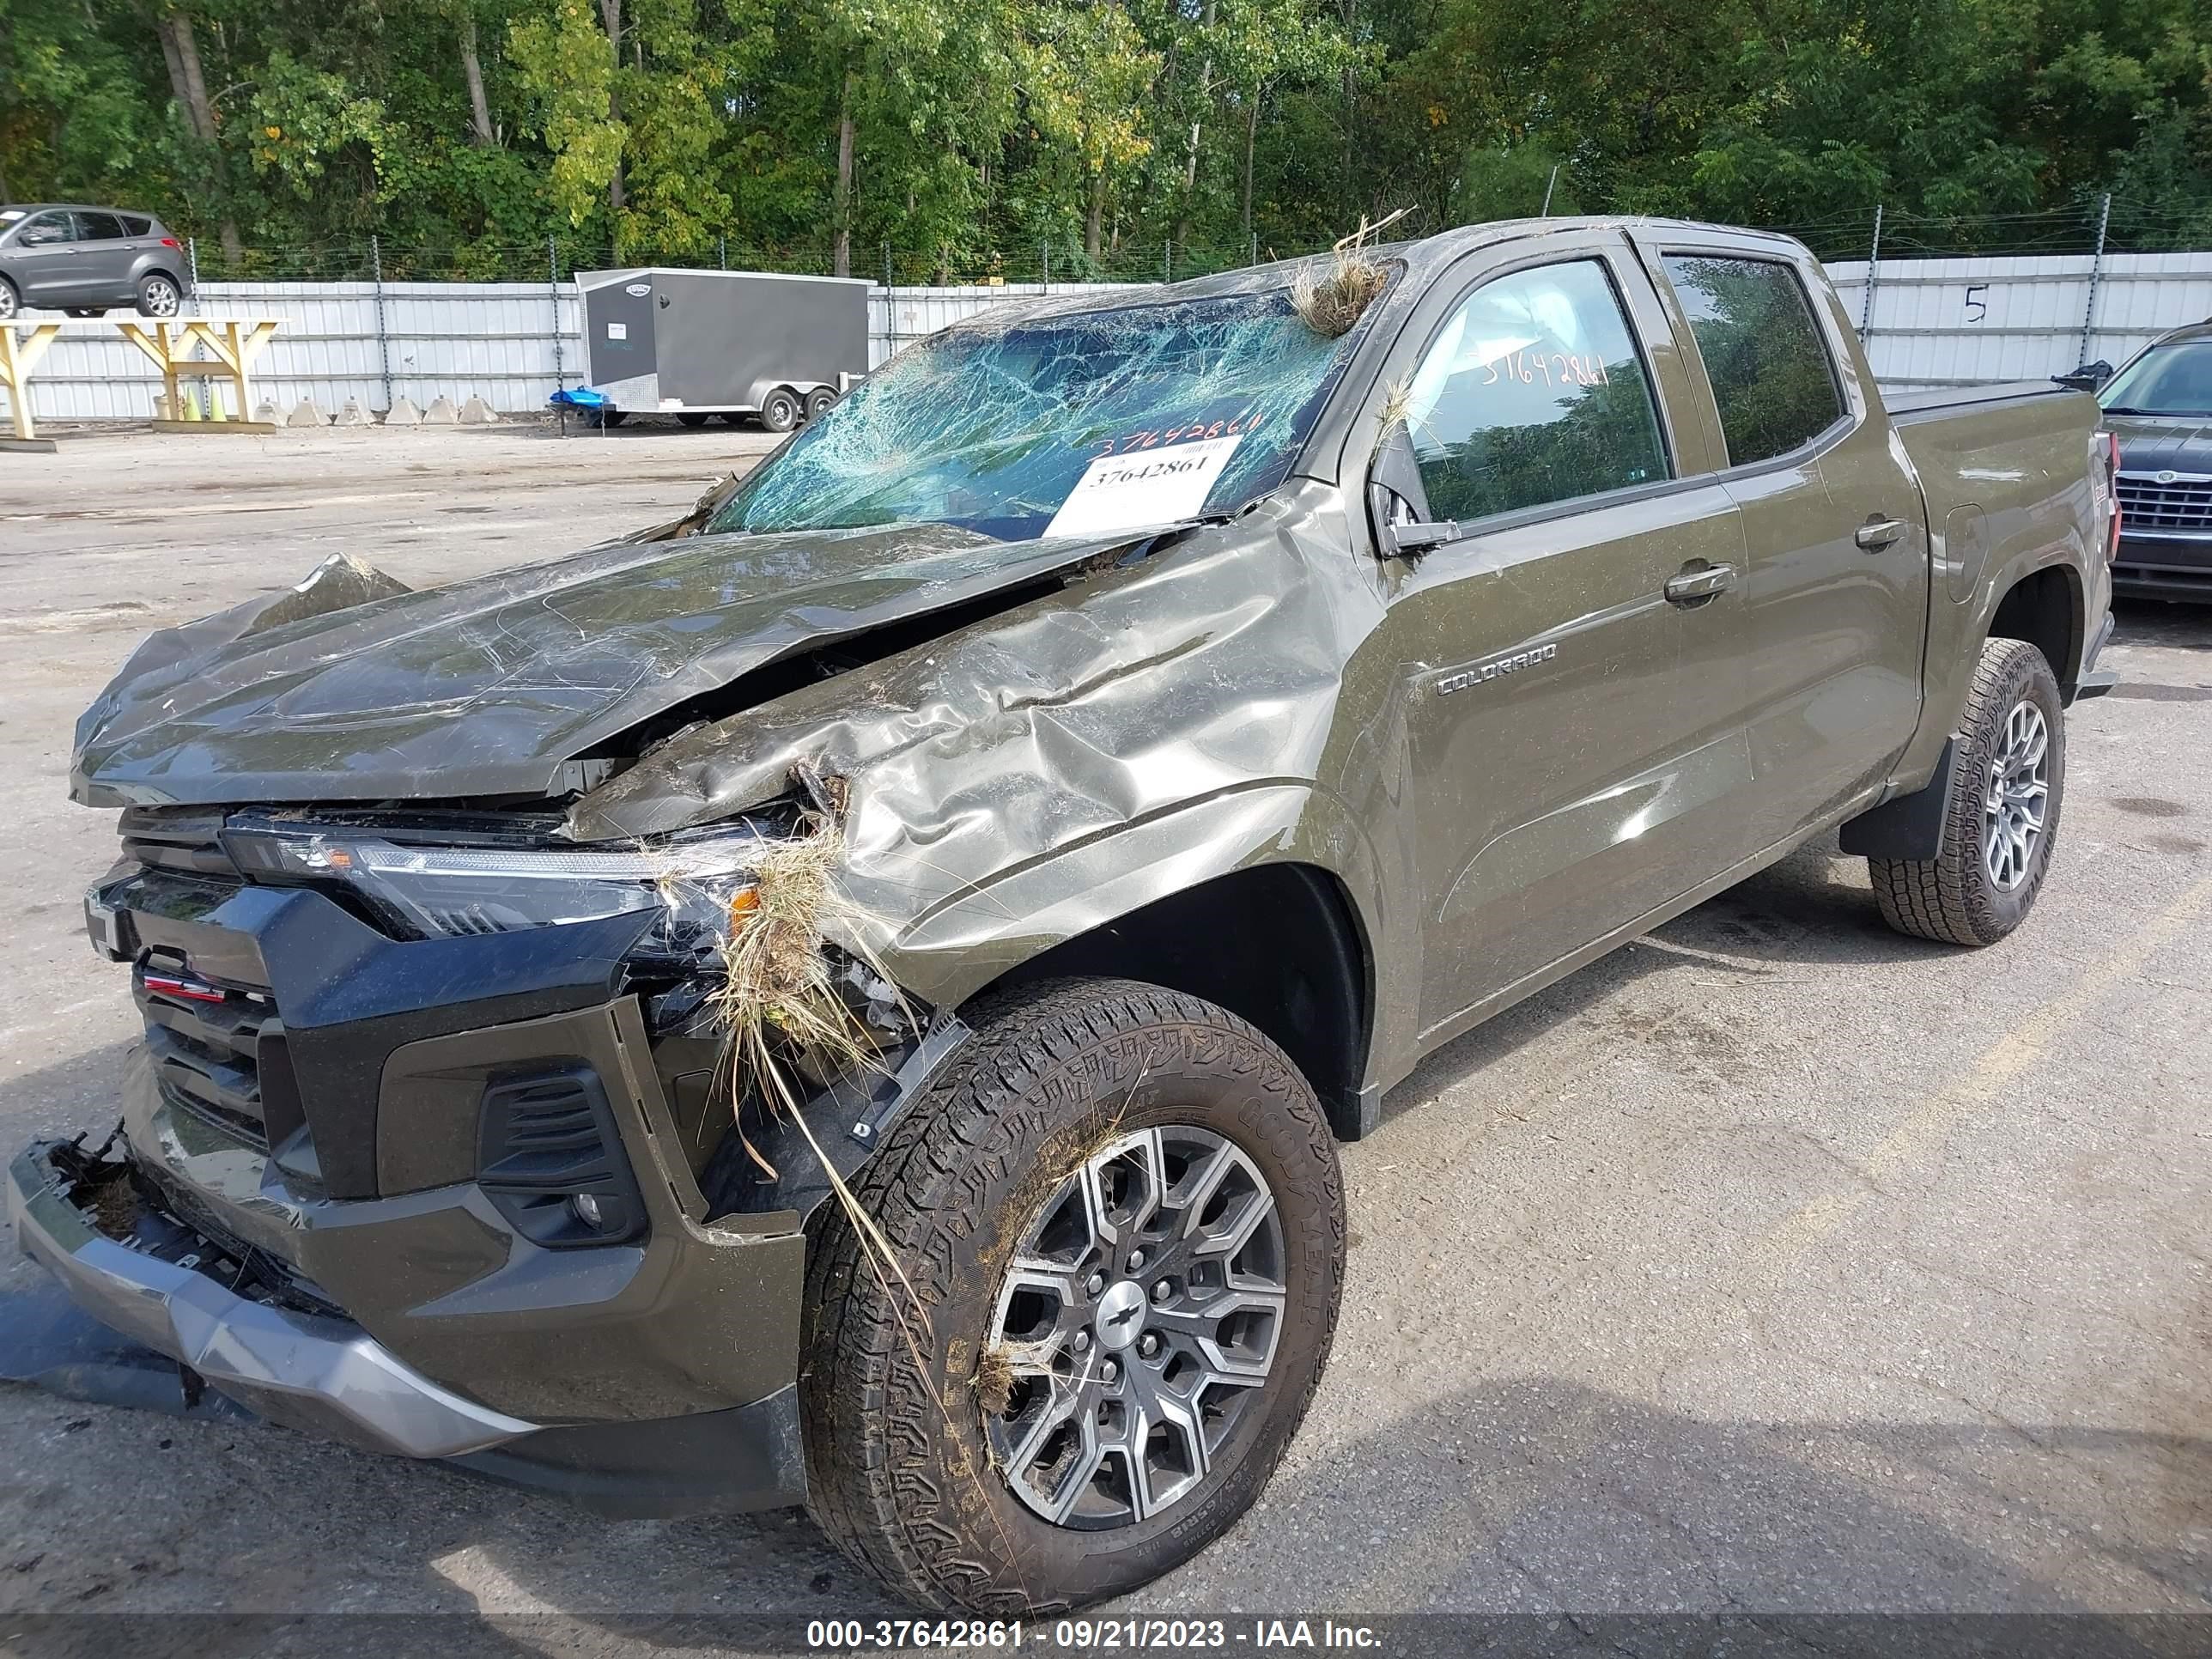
{"x": 2003, "y": 817}
{"x": 1120, "y": 1212}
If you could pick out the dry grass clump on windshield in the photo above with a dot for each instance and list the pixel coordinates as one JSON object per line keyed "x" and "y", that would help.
{"x": 1331, "y": 296}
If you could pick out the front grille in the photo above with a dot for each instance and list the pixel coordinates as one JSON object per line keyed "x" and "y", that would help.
{"x": 2147, "y": 505}
{"x": 206, "y": 1041}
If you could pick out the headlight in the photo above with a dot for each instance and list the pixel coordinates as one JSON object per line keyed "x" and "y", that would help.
{"x": 434, "y": 890}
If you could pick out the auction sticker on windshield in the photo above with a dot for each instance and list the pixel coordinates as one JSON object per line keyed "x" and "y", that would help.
{"x": 1151, "y": 486}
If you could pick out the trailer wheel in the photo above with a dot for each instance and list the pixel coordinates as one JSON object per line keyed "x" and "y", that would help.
{"x": 818, "y": 402}
{"x": 780, "y": 409}
{"x": 692, "y": 419}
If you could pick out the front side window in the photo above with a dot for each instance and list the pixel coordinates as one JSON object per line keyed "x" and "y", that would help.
{"x": 1534, "y": 393}
{"x": 1763, "y": 353}
{"x": 46, "y": 230}
{"x": 1078, "y": 422}
{"x": 2167, "y": 380}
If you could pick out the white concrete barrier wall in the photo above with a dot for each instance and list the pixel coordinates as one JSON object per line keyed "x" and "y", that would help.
{"x": 1935, "y": 322}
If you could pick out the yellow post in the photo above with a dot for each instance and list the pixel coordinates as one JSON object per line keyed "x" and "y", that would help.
{"x": 19, "y": 355}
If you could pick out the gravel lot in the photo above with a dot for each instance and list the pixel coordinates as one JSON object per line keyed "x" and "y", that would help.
{"x": 1774, "y": 1264}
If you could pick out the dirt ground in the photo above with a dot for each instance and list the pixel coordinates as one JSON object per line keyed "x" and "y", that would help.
{"x": 1776, "y": 1264}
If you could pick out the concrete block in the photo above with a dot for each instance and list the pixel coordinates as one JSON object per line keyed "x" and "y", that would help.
{"x": 353, "y": 415}
{"x": 477, "y": 412}
{"x": 305, "y": 412}
{"x": 267, "y": 413}
{"x": 440, "y": 413}
{"x": 403, "y": 412}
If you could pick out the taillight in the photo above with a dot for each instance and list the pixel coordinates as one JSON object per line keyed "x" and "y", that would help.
{"x": 170, "y": 241}
{"x": 2113, "y": 493}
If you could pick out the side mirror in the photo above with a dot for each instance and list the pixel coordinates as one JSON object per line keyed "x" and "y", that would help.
{"x": 2090, "y": 377}
{"x": 1398, "y": 503}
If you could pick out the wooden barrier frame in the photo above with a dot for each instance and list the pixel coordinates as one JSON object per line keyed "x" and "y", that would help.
{"x": 19, "y": 355}
{"x": 235, "y": 344}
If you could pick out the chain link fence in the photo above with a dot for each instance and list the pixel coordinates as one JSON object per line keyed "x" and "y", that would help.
{"x": 2110, "y": 222}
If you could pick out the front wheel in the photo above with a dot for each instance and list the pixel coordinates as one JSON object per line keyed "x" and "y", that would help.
{"x": 2008, "y": 781}
{"x": 10, "y": 301}
{"x": 1121, "y": 1217}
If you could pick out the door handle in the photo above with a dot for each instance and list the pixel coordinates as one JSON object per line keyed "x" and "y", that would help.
{"x": 1696, "y": 587}
{"x": 1878, "y": 532}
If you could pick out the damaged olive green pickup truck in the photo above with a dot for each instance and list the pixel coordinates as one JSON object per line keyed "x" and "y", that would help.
{"x": 851, "y": 998}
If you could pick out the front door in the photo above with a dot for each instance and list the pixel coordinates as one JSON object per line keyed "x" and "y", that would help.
{"x": 1835, "y": 606}
{"x": 1571, "y": 768}
{"x": 42, "y": 258}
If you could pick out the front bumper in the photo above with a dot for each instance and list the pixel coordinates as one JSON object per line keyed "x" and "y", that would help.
{"x": 324, "y": 1375}
{"x": 2172, "y": 567}
{"x": 319, "y": 1223}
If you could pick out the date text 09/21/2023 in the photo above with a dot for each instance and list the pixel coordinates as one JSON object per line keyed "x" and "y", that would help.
{"x": 1086, "y": 1635}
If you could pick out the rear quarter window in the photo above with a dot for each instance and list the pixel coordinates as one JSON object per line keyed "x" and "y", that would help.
{"x": 1770, "y": 372}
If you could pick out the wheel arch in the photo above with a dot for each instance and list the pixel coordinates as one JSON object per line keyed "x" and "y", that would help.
{"x": 1277, "y": 945}
{"x": 2046, "y": 607}
{"x": 1265, "y": 900}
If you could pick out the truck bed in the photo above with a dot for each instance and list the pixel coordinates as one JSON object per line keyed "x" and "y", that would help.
{"x": 1907, "y": 407}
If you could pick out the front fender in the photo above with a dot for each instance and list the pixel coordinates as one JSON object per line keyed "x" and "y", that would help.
{"x": 976, "y": 936}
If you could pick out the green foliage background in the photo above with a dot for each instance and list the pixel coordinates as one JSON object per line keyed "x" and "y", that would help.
{"x": 1121, "y": 137}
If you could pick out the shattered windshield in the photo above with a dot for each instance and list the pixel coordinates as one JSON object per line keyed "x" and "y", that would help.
{"x": 1080, "y": 423}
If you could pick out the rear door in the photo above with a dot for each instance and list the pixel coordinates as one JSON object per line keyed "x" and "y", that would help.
{"x": 103, "y": 260}
{"x": 1573, "y": 755}
{"x": 1835, "y": 604}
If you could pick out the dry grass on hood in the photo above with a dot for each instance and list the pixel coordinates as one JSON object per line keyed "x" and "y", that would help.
{"x": 1331, "y": 297}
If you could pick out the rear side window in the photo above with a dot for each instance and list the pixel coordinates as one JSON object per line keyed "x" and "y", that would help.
{"x": 99, "y": 228}
{"x": 1534, "y": 393}
{"x": 1771, "y": 372}
{"x": 134, "y": 226}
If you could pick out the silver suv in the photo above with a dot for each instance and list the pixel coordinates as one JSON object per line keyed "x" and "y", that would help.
{"x": 84, "y": 259}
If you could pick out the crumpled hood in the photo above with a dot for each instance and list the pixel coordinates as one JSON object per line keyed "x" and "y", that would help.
{"x": 2160, "y": 443}
{"x": 350, "y": 686}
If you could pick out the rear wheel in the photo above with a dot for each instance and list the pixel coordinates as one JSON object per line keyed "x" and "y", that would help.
{"x": 818, "y": 402}
{"x": 158, "y": 295}
{"x": 780, "y": 409}
{"x": 2009, "y": 782}
{"x": 1120, "y": 1208}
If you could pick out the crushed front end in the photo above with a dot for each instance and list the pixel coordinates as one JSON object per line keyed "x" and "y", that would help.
{"x": 427, "y": 1148}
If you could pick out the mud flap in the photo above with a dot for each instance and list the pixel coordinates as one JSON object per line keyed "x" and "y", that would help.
{"x": 1907, "y": 826}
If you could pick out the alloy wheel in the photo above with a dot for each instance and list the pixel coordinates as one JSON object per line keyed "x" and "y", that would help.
{"x": 160, "y": 298}
{"x": 2018, "y": 792}
{"x": 1137, "y": 1324}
